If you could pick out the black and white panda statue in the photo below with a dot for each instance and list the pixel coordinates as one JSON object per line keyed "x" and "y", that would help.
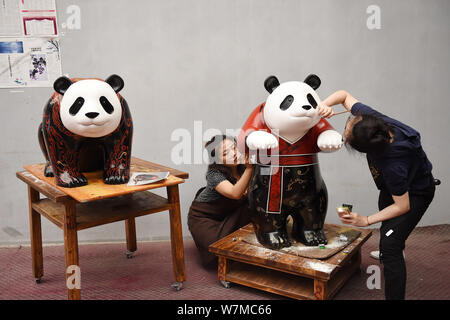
{"x": 81, "y": 112}
{"x": 285, "y": 133}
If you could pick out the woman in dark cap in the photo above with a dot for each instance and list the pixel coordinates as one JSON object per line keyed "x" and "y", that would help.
{"x": 401, "y": 171}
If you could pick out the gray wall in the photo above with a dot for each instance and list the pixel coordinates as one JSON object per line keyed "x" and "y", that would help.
{"x": 185, "y": 61}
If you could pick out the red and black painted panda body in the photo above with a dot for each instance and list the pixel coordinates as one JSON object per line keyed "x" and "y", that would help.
{"x": 62, "y": 147}
{"x": 286, "y": 133}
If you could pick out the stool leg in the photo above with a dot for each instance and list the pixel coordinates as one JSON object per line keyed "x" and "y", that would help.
{"x": 320, "y": 290}
{"x": 35, "y": 236}
{"x": 71, "y": 251}
{"x": 176, "y": 234}
{"x": 130, "y": 230}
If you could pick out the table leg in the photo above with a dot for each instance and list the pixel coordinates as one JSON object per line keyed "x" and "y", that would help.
{"x": 320, "y": 289}
{"x": 130, "y": 230}
{"x": 71, "y": 251}
{"x": 176, "y": 234}
{"x": 222, "y": 269}
{"x": 35, "y": 236}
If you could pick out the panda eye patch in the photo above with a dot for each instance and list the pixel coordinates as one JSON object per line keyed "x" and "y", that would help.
{"x": 106, "y": 105}
{"x": 76, "y": 106}
{"x": 286, "y": 102}
{"x": 311, "y": 100}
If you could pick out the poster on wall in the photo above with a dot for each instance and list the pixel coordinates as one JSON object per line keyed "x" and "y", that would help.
{"x": 29, "y": 62}
{"x": 34, "y": 18}
{"x": 29, "y": 45}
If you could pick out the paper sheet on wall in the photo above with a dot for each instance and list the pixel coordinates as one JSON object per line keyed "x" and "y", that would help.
{"x": 29, "y": 62}
{"x": 28, "y": 18}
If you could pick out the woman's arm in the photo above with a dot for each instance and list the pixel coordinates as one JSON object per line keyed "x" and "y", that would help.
{"x": 399, "y": 207}
{"x": 235, "y": 191}
{"x": 339, "y": 97}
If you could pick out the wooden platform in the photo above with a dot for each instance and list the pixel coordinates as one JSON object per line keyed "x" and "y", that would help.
{"x": 283, "y": 273}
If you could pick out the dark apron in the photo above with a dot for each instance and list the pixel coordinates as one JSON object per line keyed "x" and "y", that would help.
{"x": 209, "y": 222}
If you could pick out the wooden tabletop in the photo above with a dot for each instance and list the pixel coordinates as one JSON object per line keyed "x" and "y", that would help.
{"x": 96, "y": 188}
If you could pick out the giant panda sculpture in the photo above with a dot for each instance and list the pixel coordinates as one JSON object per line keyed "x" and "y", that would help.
{"x": 81, "y": 112}
{"x": 287, "y": 133}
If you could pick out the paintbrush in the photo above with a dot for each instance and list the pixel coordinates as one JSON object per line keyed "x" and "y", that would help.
{"x": 340, "y": 113}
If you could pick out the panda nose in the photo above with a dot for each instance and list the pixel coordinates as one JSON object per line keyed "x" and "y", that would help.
{"x": 92, "y": 115}
{"x": 306, "y": 107}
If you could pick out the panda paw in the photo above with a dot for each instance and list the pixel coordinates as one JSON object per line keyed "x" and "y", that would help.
{"x": 308, "y": 238}
{"x": 67, "y": 181}
{"x": 274, "y": 240}
{"x": 261, "y": 140}
{"x": 321, "y": 237}
{"x": 116, "y": 179}
{"x": 48, "y": 170}
{"x": 330, "y": 141}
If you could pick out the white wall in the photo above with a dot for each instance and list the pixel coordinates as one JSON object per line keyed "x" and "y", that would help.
{"x": 186, "y": 61}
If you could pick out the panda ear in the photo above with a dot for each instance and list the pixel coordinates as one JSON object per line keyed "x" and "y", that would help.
{"x": 313, "y": 81}
{"x": 271, "y": 83}
{"x": 115, "y": 82}
{"x": 62, "y": 84}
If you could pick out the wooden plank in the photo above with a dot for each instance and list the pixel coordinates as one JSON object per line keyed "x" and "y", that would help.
{"x": 158, "y": 167}
{"x": 342, "y": 257}
{"x": 176, "y": 234}
{"x": 344, "y": 273}
{"x": 37, "y": 261}
{"x": 96, "y": 189}
{"x": 41, "y": 186}
{"x": 271, "y": 281}
{"x": 130, "y": 231}
{"x": 105, "y": 211}
{"x": 71, "y": 246}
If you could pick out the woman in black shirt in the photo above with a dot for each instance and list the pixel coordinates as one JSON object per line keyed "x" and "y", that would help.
{"x": 221, "y": 207}
{"x": 402, "y": 173}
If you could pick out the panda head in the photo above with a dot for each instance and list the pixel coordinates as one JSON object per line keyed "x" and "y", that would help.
{"x": 291, "y": 107}
{"x": 90, "y": 107}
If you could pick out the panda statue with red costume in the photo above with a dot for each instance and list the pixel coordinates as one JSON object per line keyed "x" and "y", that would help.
{"x": 286, "y": 133}
{"x": 82, "y": 112}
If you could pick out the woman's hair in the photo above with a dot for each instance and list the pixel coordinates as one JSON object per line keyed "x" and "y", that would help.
{"x": 215, "y": 159}
{"x": 370, "y": 134}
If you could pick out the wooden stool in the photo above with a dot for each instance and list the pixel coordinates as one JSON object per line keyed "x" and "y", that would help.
{"x": 282, "y": 273}
{"x": 74, "y": 209}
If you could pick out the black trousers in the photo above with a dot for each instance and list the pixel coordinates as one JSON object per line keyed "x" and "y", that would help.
{"x": 393, "y": 234}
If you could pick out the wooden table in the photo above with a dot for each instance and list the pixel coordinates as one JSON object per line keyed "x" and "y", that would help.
{"x": 74, "y": 209}
{"x": 282, "y": 273}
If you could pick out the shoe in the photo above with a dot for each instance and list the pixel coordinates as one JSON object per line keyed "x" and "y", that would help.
{"x": 376, "y": 254}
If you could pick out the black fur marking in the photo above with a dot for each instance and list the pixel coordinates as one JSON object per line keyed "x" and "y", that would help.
{"x": 271, "y": 83}
{"x": 62, "y": 84}
{"x": 106, "y": 105}
{"x": 115, "y": 82}
{"x": 76, "y": 106}
{"x": 287, "y": 102}
{"x": 313, "y": 81}
{"x": 311, "y": 100}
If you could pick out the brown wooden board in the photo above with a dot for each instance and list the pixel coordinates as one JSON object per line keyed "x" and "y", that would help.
{"x": 96, "y": 189}
{"x": 46, "y": 189}
{"x": 338, "y": 238}
{"x": 104, "y": 211}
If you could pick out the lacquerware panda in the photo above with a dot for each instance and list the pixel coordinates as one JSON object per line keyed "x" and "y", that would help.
{"x": 287, "y": 133}
{"x": 81, "y": 112}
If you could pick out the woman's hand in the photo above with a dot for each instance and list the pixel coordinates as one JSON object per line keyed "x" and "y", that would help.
{"x": 325, "y": 111}
{"x": 354, "y": 219}
{"x": 248, "y": 164}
